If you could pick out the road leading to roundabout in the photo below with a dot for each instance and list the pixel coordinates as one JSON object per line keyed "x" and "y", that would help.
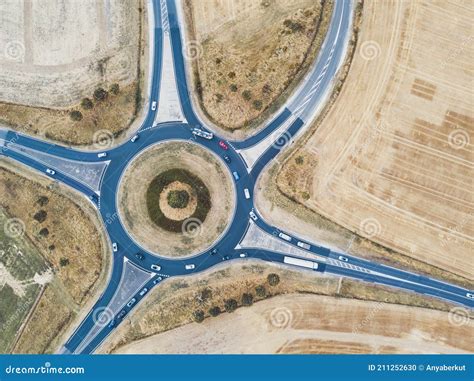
{"x": 175, "y": 199}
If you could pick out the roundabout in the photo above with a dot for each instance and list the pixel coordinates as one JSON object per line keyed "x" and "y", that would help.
{"x": 175, "y": 199}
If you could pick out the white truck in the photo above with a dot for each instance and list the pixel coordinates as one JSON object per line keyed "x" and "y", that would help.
{"x": 300, "y": 262}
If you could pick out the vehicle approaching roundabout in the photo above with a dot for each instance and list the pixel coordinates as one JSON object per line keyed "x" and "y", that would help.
{"x": 178, "y": 199}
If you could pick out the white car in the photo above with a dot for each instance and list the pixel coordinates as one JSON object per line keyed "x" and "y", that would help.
{"x": 134, "y": 138}
{"x": 246, "y": 193}
{"x": 102, "y": 154}
{"x": 243, "y": 255}
{"x": 153, "y": 106}
{"x": 50, "y": 171}
{"x": 156, "y": 267}
{"x": 253, "y": 216}
{"x": 344, "y": 259}
{"x": 190, "y": 267}
{"x": 284, "y": 236}
{"x": 469, "y": 295}
{"x": 143, "y": 292}
{"x": 131, "y": 302}
{"x": 157, "y": 280}
{"x": 114, "y": 247}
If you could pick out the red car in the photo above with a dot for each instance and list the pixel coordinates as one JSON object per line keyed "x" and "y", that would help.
{"x": 223, "y": 145}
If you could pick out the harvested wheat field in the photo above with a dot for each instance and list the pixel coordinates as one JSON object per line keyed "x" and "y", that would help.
{"x": 56, "y": 54}
{"x": 393, "y": 159}
{"x": 248, "y": 55}
{"x": 315, "y": 324}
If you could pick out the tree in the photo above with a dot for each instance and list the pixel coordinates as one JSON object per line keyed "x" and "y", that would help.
{"x": 41, "y": 216}
{"x": 86, "y": 103}
{"x": 273, "y": 279}
{"x": 63, "y": 262}
{"x": 100, "y": 94}
{"x": 261, "y": 291}
{"x": 247, "y": 95}
{"x": 205, "y": 294}
{"x": 257, "y": 104}
{"x": 198, "y": 316}
{"x": 115, "y": 88}
{"x": 230, "y": 305}
{"x": 247, "y": 299}
{"x": 214, "y": 311}
{"x": 233, "y": 87}
{"x": 44, "y": 232}
{"x": 76, "y": 115}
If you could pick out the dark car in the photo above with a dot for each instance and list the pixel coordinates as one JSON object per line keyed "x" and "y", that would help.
{"x": 139, "y": 256}
{"x": 121, "y": 314}
{"x": 227, "y": 159}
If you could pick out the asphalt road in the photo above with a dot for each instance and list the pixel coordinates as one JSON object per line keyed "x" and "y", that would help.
{"x": 99, "y": 178}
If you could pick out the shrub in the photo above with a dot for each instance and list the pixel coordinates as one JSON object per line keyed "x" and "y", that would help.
{"x": 76, "y": 115}
{"x": 257, "y": 104}
{"x": 205, "y": 294}
{"x": 63, "y": 262}
{"x": 273, "y": 279}
{"x": 247, "y": 95}
{"x": 247, "y": 299}
{"x": 41, "y": 216}
{"x": 230, "y": 305}
{"x": 299, "y": 160}
{"x": 231, "y": 74}
{"x": 218, "y": 61}
{"x": 233, "y": 87}
{"x": 219, "y": 97}
{"x": 261, "y": 291}
{"x": 86, "y": 103}
{"x": 214, "y": 311}
{"x": 100, "y": 94}
{"x": 115, "y": 88}
{"x": 42, "y": 200}
{"x": 198, "y": 316}
{"x": 178, "y": 199}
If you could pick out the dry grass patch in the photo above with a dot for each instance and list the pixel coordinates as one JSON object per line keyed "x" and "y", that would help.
{"x": 69, "y": 238}
{"x": 253, "y": 54}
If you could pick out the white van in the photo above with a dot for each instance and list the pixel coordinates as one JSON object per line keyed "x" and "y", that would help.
{"x": 246, "y": 193}
{"x": 190, "y": 267}
{"x": 102, "y": 154}
{"x": 304, "y": 245}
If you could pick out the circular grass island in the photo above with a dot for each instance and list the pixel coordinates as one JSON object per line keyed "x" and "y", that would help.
{"x": 176, "y": 199}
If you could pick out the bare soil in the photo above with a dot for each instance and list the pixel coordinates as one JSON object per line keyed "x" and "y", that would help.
{"x": 315, "y": 324}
